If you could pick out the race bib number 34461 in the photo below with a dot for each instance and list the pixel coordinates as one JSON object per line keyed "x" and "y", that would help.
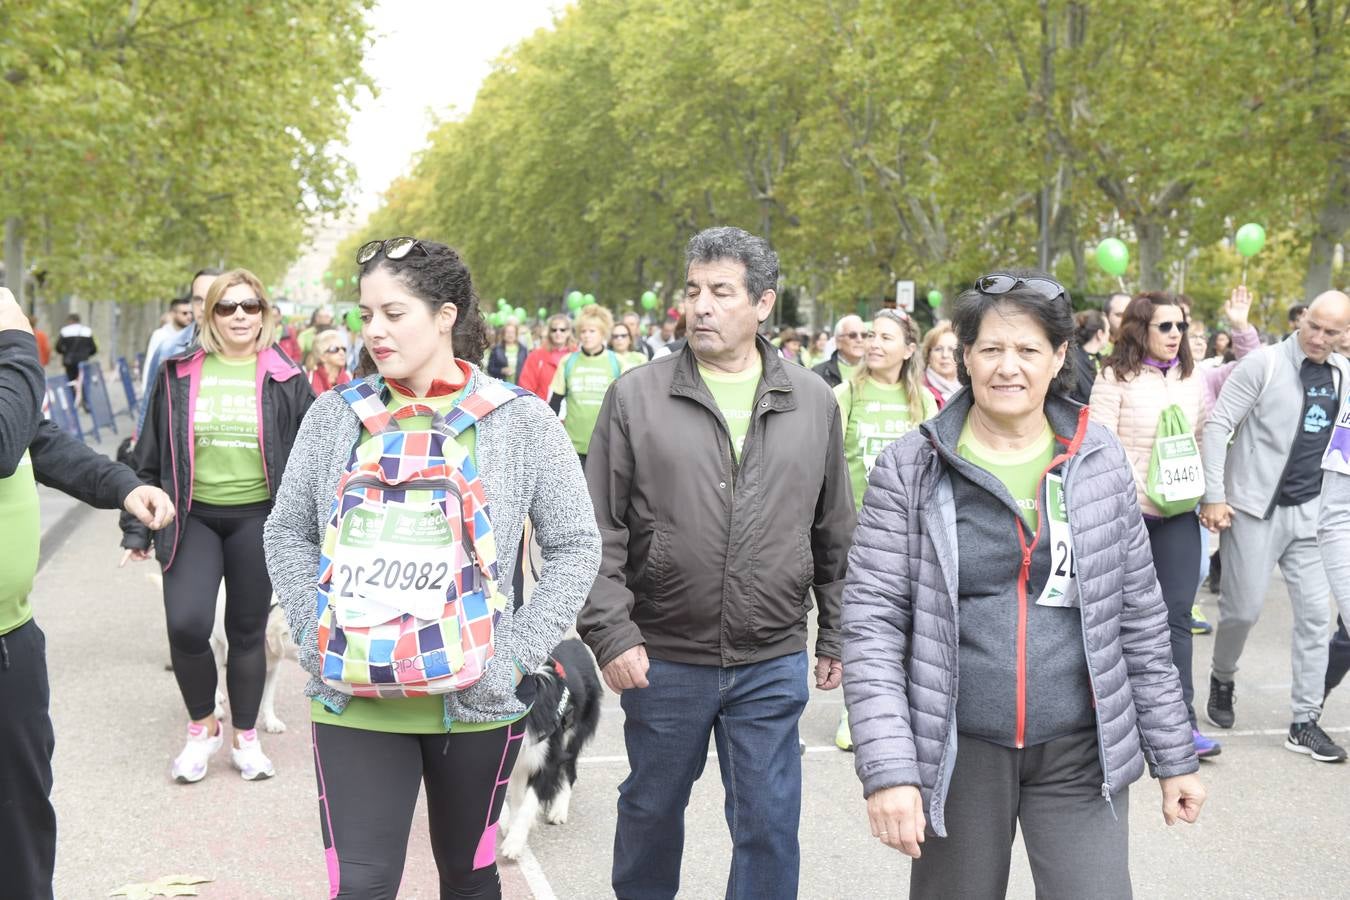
{"x": 1180, "y": 474}
{"x": 392, "y": 561}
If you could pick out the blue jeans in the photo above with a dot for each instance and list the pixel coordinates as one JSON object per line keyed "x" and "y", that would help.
{"x": 752, "y": 712}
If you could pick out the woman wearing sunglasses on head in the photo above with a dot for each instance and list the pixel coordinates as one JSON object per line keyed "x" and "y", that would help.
{"x": 388, "y": 549}
{"x": 327, "y": 362}
{"x": 220, "y": 423}
{"x": 1153, "y": 398}
{"x": 1012, "y": 507}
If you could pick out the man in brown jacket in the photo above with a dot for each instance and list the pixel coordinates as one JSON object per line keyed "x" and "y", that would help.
{"x": 719, "y": 482}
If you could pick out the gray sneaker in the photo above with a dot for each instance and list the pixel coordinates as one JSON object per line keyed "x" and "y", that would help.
{"x": 1308, "y": 737}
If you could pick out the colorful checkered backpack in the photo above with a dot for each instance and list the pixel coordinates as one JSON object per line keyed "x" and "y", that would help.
{"x": 407, "y": 596}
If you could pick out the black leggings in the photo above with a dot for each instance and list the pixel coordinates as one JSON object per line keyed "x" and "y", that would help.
{"x": 1175, "y": 543}
{"x": 220, "y": 542}
{"x": 368, "y": 783}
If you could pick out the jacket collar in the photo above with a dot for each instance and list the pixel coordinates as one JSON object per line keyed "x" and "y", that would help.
{"x": 271, "y": 362}
{"x": 775, "y": 385}
{"x": 1068, "y": 420}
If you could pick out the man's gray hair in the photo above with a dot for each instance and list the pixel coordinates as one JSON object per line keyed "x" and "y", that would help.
{"x": 739, "y": 245}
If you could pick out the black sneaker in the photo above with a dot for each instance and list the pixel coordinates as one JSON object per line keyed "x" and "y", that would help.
{"x": 1308, "y": 737}
{"x": 1219, "y": 709}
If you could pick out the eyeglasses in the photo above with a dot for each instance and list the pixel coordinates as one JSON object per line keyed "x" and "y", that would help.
{"x": 1166, "y": 327}
{"x": 252, "y": 306}
{"x": 997, "y": 283}
{"x": 559, "y": 330}
{"x": 619, "y": 336}
{"x": 394, "y": 248}
{"x": 854, "y": 335}
{"x": 336, "y": 350}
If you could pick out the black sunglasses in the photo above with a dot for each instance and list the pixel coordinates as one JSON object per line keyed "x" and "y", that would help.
{"x": 252, "y": 306}
{"x": 336, "y": 350}
{"x": 1001, "y": 283}
{"x": 1166, "y": 327}
{"x": 394, "y": 248}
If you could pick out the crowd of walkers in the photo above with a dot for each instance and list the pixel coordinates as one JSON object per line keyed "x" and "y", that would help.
{"x": 1019, "y": 501}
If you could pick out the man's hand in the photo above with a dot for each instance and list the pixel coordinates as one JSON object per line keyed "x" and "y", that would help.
{"x": 829, "y": 673}
{"x": 11, "y": 315}
{"x": 896, "y": 817}
{"x": 133, "y": 555}
{"x": 1238, "y": 308}
{"x": 1216, "y": 516}
{"x": 627, "y": 670}
{"x": 151, "y": 506}
{"x": 1183, "y": 795}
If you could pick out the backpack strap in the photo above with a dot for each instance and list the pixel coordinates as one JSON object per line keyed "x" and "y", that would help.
{"x": 366, "y": 400}
{"x": 491, "y": 395}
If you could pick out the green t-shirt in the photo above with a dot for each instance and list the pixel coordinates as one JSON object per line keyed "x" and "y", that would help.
{"x": 512, "y": 373}
{"x": 735, "y": 397}
{"x": 229, "y": 467}
{"x": 584, "y": 390}
{"x": 632, "y": 359}
{"x": 875, "y": 415}
{"x": 1019, "y": 471}
{"x": 406, "y": 715}
{"x": 846, "y": 372}
{"x": 19, "y": 511}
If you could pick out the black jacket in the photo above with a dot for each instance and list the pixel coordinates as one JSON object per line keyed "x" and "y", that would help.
{"x": 709, "y": 560}
{"x": 163, "y": 454}
{"x": 59, "y": 460}
{"x": 496, "y": 364}
{"x": 829, "y": 370}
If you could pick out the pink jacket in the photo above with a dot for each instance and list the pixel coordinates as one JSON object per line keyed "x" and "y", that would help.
{"x": 1131, "y": 408}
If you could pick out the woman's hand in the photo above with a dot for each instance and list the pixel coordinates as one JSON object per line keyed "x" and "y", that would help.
{"x": 1238, "y": 307}
{"x": 136, "y": 555}
{"x": 1183, "y": 795}
{"x": 896, "y": 817}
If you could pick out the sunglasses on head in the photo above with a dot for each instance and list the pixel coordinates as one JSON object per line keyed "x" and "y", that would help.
{"x": 252, "y": 306}
{"x": 393, "y": 248}
{"x": 1166, "y": 327}
{"x": 997, "y": 283}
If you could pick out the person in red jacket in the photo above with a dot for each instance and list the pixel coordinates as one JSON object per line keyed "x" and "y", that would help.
{"x": 540, "y": 365}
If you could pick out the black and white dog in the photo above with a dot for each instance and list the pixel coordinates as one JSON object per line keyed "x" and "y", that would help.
{"x": 564, "y": 718}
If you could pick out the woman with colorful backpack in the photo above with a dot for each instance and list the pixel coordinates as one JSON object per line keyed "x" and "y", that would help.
{"x": 1152, "y": 397}
{"x": 407, "y": 514}
{"x": 583, "y": 377}
{"x": 218, "y": 431}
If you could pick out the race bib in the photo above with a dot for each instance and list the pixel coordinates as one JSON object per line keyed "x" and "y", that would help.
{"x": 1180, "y": 473}
{"x": 390, "y": 562}
{"x": 1337, "y": 458}
{"x": 1061, "y": 588}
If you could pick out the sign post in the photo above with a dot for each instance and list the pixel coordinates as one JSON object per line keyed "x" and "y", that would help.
{"x": 904, "y": 295}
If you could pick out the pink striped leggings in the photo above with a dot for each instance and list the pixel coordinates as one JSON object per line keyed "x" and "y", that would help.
{"x": 368, "y": 783}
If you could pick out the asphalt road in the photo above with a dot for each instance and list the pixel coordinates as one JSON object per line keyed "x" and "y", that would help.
{"x": 1275, "y": 825}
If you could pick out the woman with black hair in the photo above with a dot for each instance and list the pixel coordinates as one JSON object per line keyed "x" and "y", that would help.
{"x": 1011, "y": 506}
{"x": 410, "y": 505}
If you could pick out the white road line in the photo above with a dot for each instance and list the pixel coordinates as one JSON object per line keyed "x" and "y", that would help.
{"x": 830, "y": 748}
{"x": 535, "y": 877}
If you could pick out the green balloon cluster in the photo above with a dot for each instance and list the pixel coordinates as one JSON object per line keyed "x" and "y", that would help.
{"x": 649, "y": 300}
{"x": 1250, "y": 239}
{"x": 1113, "y": 256}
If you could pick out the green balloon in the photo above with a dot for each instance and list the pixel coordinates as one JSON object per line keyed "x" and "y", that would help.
{"x": 543, "y": 314}
{"x": 519, "y": 313}
{"x": 588, "y": 300}
{"x": 327, "y": 276}
{"x": 503, "y": 303}
{"x": 1250, "y": 239}
{"x": 935, "y": 298}
{"x": 353, "y": 320}
{"x": 337, "y": 283}
{"x": 575, "y": 300}
{"x": 650, "y": 300}
{"x": 1113, "y": 256}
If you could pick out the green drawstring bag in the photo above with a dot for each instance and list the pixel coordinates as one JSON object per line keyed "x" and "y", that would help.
{"x": 1176, "y": 478}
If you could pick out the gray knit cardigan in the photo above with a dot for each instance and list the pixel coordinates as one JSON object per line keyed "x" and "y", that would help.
{"x": 528, "y": 468}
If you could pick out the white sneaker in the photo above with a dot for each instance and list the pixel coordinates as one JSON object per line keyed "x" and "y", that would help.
{"x": 190, "y": 765}
{"x": 249, "y": 758}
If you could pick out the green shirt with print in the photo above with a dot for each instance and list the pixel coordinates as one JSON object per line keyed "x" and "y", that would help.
{"x": 1020, "y": 470}
{"x": 406, "y": 715}
{"x": 875, "y": 415}
{"x": 584, "y": 390}
{"x": 20, "y": 513}
{"x": 735, "y": 397}
{"x": 228, "y": 468}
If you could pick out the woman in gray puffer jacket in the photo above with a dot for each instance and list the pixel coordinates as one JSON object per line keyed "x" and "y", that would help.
{"x": 1001, "y": 601}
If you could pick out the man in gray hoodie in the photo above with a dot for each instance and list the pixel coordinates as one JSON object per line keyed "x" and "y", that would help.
{"x": 1278, "y": 408}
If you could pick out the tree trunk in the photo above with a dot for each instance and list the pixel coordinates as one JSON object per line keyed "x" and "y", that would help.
{"x": 1333, "y": 221}
{"x": 1151, "y": 234}
{"x": 14, "y": 266}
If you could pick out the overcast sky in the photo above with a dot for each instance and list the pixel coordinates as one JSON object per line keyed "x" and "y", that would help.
{"x": 429, "y": 56}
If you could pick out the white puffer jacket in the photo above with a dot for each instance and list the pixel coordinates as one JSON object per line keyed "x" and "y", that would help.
{"x": 1130, "y": 407}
